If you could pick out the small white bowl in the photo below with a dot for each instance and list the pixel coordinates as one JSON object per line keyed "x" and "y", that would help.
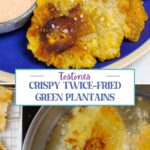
{"x": 16, "y": 23}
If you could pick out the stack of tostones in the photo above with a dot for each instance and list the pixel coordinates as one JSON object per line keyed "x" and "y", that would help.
{"x": 103, "y": 130}
{"x": 75, "y": 33}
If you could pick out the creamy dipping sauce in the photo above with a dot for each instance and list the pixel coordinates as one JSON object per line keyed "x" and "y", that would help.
{"x": 11, "y": 9}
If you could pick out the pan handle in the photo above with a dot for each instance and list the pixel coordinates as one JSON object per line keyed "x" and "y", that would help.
{"x": 6, "y": 77}
{"x": 143, "y": 90}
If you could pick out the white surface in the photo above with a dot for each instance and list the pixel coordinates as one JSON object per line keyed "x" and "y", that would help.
{"x": 11, "y": 138}
{"x": 142, "y": 67}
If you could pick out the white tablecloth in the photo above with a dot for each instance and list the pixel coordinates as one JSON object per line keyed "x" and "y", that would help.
{"x": 142, "y": 67}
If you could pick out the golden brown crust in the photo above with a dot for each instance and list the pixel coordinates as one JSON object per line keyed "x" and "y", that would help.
{"x": 94, "y": 144}
{"x": 59, "y": 34}
{"x": 83, "y": 21}
{"x": 136, "y": 17}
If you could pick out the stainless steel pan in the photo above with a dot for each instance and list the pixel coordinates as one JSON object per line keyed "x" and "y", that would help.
{"x": 47, "y": 117}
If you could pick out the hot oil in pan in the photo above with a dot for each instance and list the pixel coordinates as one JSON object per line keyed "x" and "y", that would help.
{"x": 134, "y": 118}
{"x": 55, "y": 141}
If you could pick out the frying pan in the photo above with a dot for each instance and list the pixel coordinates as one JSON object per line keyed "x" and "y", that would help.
{"x": 47, "y": 117}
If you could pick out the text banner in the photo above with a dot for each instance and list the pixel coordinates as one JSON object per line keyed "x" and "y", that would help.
{"x": 75, "y": 87}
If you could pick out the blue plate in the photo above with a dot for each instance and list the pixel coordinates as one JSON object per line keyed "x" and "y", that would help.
{"x": 13, "y": 53}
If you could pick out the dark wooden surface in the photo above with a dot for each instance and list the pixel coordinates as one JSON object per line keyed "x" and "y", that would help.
{"x": 28, "y": 115}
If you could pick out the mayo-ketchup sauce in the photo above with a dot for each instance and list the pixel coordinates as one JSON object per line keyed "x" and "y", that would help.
{"x": 12, "y": 9}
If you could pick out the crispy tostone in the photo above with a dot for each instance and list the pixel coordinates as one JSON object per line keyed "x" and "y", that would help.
{"x": 95, "y": 128}
{"x": 5, "y": 100}
{"x": 75, "y": 33}
{"x": 136, "y": 19}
